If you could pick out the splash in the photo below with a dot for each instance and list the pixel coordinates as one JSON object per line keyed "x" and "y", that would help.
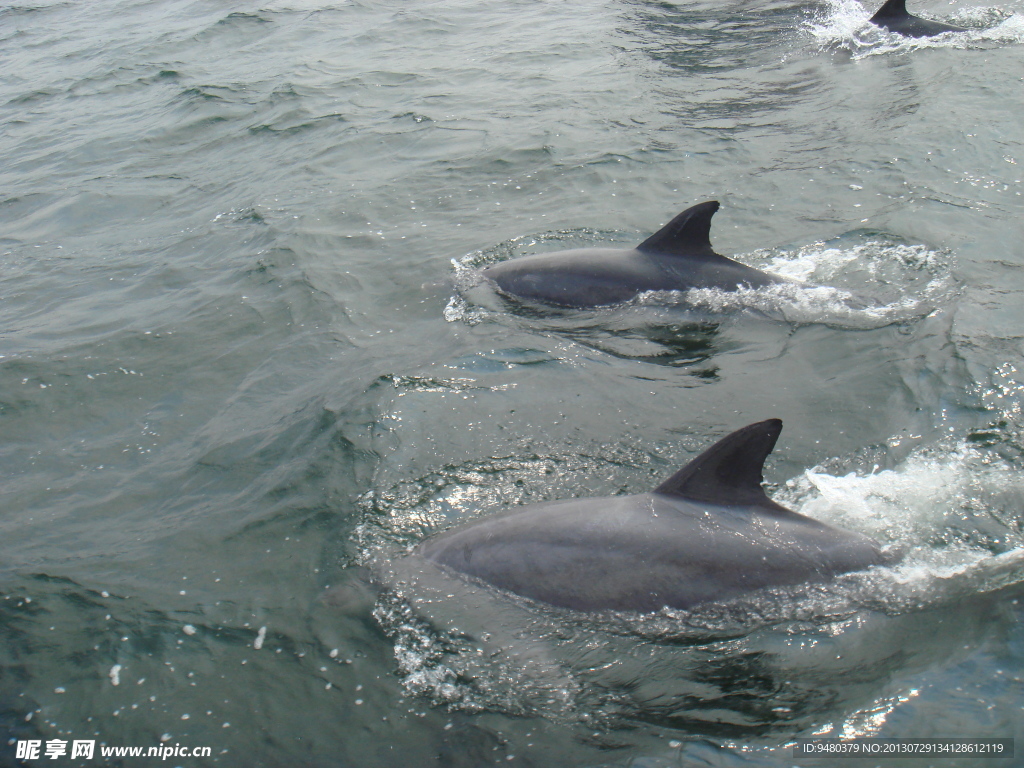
{"x": 845, "y": 25}
{"x": 956, "y": 512}
{"x": 802, "y": 305}
{"x": 870, "y": 285}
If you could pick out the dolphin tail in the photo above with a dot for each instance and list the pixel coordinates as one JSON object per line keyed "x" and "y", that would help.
{"x": 688, "y": 234}
{"x": 730, "y": 472}
{"x": 893, "y": 9}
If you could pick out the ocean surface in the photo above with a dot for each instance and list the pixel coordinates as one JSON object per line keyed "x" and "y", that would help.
{"x": 247, "y": 362}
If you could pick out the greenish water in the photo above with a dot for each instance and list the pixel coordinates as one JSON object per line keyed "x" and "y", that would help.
{"x": 244, "y": 358}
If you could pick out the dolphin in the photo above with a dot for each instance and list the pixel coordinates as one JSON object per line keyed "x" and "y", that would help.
{"x": 676, "y": 258}
{"x": 708, "y": 533}
{"x": 894, "y": 17}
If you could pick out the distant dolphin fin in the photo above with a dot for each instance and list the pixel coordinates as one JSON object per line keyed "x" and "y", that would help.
{"x": 731, "y": 471}
{"x": 894, "y": 9}
{"x": 688, "y": 234}
{"x": 893, "y": 16}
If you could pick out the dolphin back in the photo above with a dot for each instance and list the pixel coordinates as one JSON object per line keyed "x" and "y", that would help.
{"x": 688, "y": 234}
{"x": 707, "y": 533}
{"x": 678, "y": 257}
{"x": 895, "y": 17}
{"x": 893, "y": 9}
{"x": 682, "y": 248}
{"x": 730, "y": 472}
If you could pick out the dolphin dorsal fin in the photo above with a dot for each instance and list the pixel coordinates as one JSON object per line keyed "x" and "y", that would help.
{"x": 688, "y": 234}
{"x": 893, "y": 9}
{"x": 731, "y": 471}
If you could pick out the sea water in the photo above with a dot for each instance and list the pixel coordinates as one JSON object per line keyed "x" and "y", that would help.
{"x": 246, "y": 358}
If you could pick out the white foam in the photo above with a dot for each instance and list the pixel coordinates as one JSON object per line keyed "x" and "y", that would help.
{"x": 1010, "y": 30}
{"x": 930, "y": 508}
{"x": 806, "y": 304}
{"x": 846, "y": 25}
{"x": 911, "y": 501}
{"x": 866, "y": 285}
{"x": 821, "y": 262}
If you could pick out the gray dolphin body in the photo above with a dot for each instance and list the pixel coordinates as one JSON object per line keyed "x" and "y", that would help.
{"x": 894, "y": 17}
{"x": 676, "y": 258}
{"x": 707, "y": 533}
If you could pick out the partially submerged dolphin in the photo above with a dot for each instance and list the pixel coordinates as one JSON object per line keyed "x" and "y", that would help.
{"x": 894, "y": 17}
{"x": 707, "y": 533}
{"x": 676, "y": 258}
